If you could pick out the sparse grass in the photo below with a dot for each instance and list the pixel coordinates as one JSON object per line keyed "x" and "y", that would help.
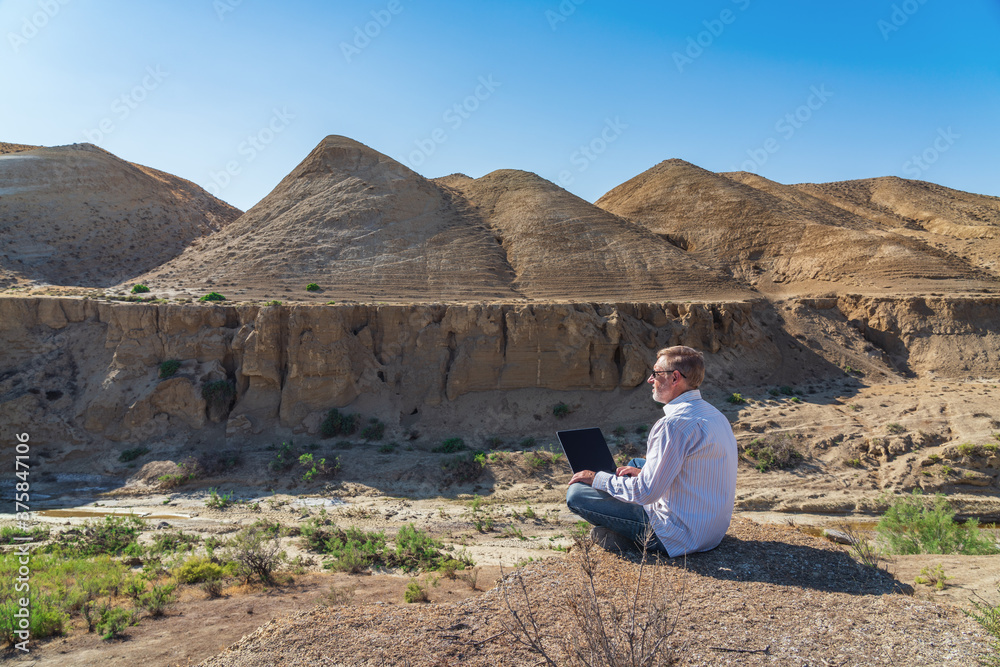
{"x": 169, "y": 541}
{"x": 854, "y": 463}
{"x": 914, "y": 524}
{"x": 988, "y": 616}
{"x": 169, "y": 368}
{"x": 212, "y": 296}
{"x": 932, "y": 577}
{"x": 219, "y": 501}
{"x": 111, "y": 535}
{"x": 132, "y": 454}
{"x": 34, "y": 534}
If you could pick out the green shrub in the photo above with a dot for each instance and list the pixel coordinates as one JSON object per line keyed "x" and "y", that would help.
{"x": 198, "y": 569}
{"x": 466, "y": 468}
{"x": 772, "y": 452}
{"x": 336, "y": 423}
{"x": 113, "y": 621}
{"x": 219, "y": 393}
{"x": 315, "y": 468}
{"x": 374, "y": 431}
{"x": 988, "y": 616}
{"x": 112, "y": 535}
{"x": 219, "y": 501}
{"x": 256, "y": 553}
{"x": 169, "y": 368}
{"x": 157, "y": 599}
{"x": 415, "y": 593}
{"x": 736, "y": 399}
{"x": 169, "y": 541}
{"x": 968, "y": 449}
{"x": 139, "y": 289}
{"x": 46, "y": 618}
{"x": 312, "y": 287}
{"x": 188, "y": 470}
{"x": 34, "y": 534}
{"x": 560, "y": 410}
{"x": 212, "y": 296}
{"x": 914, "y": 524}
{"x": 388, "y": 448}
{"x": 450, "y": 446}
{"x": 284, "y": 459}
{"x": 132, "y": 454}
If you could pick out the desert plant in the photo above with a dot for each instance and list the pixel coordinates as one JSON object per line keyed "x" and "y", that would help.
{"x": 111, "y": 622}
{"x": 736, "y": 399}
{"x": 932, "y": 576}
{"x": 169, "y": 368}
{"x": 188, "y": 470}
{"x": 607, "y": 629}
{"x": 33, "y": 534}
{"x": 219, "y": 394}
{"x": 894, "y": 428}
{"x": 450, "y": 446}
{"x": 284, "y": 459}
{"x": 157, "y": 599}
{"x": 169, "y": 541}
{"x": 336, "y": 423}
{"x": 219, "y": 501}
{"x": 139, "y": 289}
{"x": 312, "y": 287}
{"x": 527, "y": 443}
{"x": 112, "y": 535}
{"x": 415, "y": 593}
{"x": 374, "y": 431}
{"x": 132, "y": 454}
{"x": 315, "y": 468}
{"x": 212, "y": 296}
{"x": 388, "y": 448}
{"x": 772, "y": 452}
{"x": 988, "y": 616}
{"x": 256, "y": 553}
{"x": 560, "y": 410}
{"x": 198, "y": 569}
{"x": 914, "y": 524}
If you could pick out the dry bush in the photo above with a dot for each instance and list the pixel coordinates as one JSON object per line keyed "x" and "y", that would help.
{"x": 616, "y": 621}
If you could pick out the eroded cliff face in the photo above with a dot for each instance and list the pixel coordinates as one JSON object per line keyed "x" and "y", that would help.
{"x": 81, "y": 371}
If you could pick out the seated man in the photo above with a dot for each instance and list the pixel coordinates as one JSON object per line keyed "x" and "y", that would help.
{"x": 686, "y": 485}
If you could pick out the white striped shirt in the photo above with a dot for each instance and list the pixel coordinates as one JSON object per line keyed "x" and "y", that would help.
{"x": 688, "y": 483}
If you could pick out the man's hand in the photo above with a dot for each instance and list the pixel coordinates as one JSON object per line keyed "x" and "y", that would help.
{"x": 627, "y": 471}
{"x": 583, "y": 477}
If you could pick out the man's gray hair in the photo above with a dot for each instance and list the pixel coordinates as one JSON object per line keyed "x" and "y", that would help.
{"x": 689, "y": 361}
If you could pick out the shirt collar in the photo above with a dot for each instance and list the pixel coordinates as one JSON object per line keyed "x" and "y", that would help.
{"x": 686, "y": 397}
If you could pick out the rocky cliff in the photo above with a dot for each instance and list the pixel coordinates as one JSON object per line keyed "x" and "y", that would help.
{"x": 82, "y": 371}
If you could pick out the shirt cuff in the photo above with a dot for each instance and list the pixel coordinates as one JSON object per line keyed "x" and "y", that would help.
{"x": 602, "y": 481}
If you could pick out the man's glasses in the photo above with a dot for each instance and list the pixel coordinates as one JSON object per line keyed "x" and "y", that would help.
{"x": 667, "y": 372}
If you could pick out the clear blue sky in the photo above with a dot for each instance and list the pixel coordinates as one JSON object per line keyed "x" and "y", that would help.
{"x": 795, "y": 91}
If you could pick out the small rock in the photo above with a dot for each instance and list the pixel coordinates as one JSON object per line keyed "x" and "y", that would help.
{"x": 838, "y": 536}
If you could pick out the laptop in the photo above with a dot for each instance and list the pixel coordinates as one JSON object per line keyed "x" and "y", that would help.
{"x": 586, "y": 449}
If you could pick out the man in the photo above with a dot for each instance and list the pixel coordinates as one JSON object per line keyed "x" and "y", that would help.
{"x": 686, "y": 485}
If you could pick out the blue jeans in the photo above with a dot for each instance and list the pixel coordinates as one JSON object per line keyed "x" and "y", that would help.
{"x": 601, "y": 509}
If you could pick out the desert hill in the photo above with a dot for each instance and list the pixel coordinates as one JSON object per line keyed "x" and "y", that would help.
{"x": 564, "y": 248}
{"x": 357, "y": 223}
{"x": 6, "y": 148}
{"x": 962, "y": 223}
{"x": 778, "y": 240}
{"x": 78, "y": 215}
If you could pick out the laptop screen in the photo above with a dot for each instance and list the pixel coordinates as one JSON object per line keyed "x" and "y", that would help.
{"x": 586, "y": 449}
